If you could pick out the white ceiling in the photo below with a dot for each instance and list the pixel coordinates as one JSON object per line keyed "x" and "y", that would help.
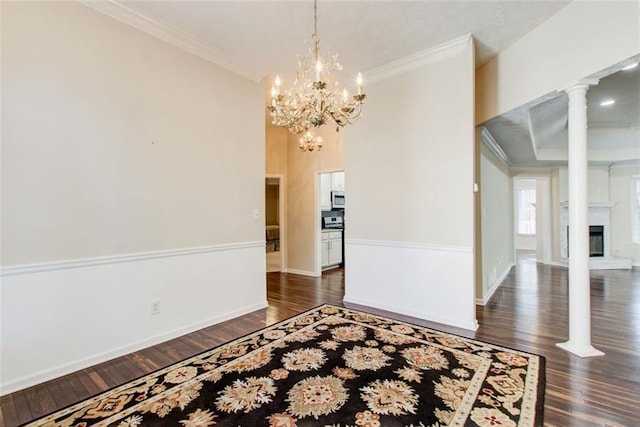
{"x": 264, "y": 37}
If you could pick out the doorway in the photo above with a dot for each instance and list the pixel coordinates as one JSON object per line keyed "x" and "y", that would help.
{"x": 330, "y": 245}
{"x": 532, "y": 217}
{"x": 274, "y": 224}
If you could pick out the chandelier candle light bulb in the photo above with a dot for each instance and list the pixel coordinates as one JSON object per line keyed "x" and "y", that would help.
{"x": 315, "y": 97}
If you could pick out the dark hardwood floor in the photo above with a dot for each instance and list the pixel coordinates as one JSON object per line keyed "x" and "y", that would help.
{"x": 528, "y": 312}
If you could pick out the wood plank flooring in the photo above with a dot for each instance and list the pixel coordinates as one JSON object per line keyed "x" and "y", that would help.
{"x": 528, "y": 312}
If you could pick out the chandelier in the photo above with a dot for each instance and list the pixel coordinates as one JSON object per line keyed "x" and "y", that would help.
{"x": 315, "y": 98}
{"x": 310, "y": 141}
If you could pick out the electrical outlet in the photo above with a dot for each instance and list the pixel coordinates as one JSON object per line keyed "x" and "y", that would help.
{"x": 155, "y": 306}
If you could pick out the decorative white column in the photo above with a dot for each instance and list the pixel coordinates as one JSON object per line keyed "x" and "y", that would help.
{"x": 579, "y": 287}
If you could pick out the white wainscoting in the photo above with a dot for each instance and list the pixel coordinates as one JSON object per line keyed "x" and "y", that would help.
{"x": 431, "y": 282}
{"x": 58, "y": 318}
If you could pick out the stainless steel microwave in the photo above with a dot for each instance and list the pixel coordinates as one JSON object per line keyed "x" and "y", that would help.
{"x": 337, "y": 199}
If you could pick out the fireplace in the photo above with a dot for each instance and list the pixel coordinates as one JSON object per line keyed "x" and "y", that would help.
{"x": 599, "y": 229}
{"x": 596, "y": 240}
{"x": 600, "y": 256}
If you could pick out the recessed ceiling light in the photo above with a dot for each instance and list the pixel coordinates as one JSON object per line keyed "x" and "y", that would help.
{"x": 607, "y": 102}
{"x": 630, "y": 66}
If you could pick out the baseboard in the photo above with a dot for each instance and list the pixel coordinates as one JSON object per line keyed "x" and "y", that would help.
{"x": 49, "y": 374}
{"x": 495, "y": 285}
{"x": 301, "y": 272}
{"x": 448, "y": 321}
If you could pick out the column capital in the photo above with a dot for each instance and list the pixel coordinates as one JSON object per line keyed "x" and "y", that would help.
{"x": 583, "y": 84}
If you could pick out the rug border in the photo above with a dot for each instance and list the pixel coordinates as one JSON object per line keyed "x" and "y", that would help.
{"x": 110, "y": 389}
{"x": 542, "y": 366}
{"x": 540, "y": 395}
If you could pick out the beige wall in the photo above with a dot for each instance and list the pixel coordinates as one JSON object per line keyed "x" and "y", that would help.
{"x": 583, "y": 38}
{"x": 130, "y": 171}
{"x": 303, "y": 209}
{"x": 414, "y": 163}
{"x": 109, "y": 150}
{"x": 409, "y": 172}
{"x": 497, "y": 221}
{"x": 276, "y": 150}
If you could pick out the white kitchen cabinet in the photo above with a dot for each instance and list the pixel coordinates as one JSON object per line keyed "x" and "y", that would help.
{"x": 331, "y": 248}
{"x": 331, "y": 181}
{"x": 337, "y": 181}
{"x": 325, "y": 191}
{"x": 325, "y": 252}
{"x": 335, "y": 251}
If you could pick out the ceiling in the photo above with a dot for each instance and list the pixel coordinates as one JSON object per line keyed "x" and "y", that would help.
{"x": 258, "y": 39}
{"x": 536, "y": 134}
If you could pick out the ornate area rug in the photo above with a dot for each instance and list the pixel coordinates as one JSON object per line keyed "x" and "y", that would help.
{"x": 335, "y": 367}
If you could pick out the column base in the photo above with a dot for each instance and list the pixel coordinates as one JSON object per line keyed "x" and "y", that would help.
{"x": 581, "y": 351}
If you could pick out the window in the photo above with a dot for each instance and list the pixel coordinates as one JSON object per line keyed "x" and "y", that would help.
{"x": 635, "y": 209}
{"x": 525, "y": 190}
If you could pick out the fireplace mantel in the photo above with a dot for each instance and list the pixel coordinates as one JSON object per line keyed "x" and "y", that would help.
{"x": 599, "y": 214}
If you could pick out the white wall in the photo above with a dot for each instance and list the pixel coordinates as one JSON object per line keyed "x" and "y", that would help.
{"x": 606, "y": 184}
{"x": 620, "y": 188}
{"x": 544, "y": 221}
{"x": 525, "y": 242}
{"x": 121, "y": 156}
{"x": 583, "y": 38}
{"x": 597, "y": 184}
{"x": 409, "y": 168}
{"x": 496, "y": 190}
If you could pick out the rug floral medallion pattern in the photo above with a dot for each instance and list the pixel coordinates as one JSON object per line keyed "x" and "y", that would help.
{"x": 334, "y": 367}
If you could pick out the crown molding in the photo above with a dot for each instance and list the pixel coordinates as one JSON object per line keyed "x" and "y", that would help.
{"x": 430, "y": 56}
{"x": 634, "y": 164}
{"x": 178, "y": 38}
{"x": 489, "y": 141}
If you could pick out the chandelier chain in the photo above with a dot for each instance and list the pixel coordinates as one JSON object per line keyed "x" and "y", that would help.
{"x": 316, "y": 39}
